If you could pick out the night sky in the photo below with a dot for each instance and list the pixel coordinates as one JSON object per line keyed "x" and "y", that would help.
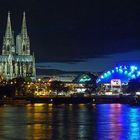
{"x": 78, "y": 34}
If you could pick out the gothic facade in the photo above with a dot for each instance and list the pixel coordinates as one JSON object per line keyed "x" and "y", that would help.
{"x": 16, "y": 59}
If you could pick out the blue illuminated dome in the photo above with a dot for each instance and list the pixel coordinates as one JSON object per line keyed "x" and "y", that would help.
{"x": 124, "y": 73}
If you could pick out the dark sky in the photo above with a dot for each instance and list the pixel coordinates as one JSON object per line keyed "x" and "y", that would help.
{"x": 80, "y": 34}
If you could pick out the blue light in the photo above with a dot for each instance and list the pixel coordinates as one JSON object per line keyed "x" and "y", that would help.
{"x": 120, "y": 66}
{"x": 109, "y": 73}
{"x": 125, "y": 67}
{"x": 117, "y": 70}
{"x": 138, "y": 73}
{"x": 105, "y": 74}
{"x": 120, "y": 70}
{"x": 102, "y": 76}
{"x": 129, "y": 74}
{"x": 125, "y": 72}
{"x": 133, "y": 76}
{"x": 133, "y": 68}
{"x": 112, "y": 71}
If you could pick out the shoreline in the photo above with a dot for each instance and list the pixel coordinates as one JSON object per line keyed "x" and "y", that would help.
{"x": 73, "y": 100}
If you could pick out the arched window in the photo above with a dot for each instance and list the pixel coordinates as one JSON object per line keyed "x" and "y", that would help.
{"x": 8, "y": 48}
{"x": 24, "y": 48}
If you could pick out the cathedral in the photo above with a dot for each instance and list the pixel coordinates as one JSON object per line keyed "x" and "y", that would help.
{"x": 16, "y": 59}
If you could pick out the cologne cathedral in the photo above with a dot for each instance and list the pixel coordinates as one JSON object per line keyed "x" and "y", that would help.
{"x": 16, "y": 59}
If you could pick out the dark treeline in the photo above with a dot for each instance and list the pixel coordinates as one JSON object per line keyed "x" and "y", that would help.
{"x": 133, "y": 85}
{"x": 13, "y": 87}
{"x": 7, "y": 91}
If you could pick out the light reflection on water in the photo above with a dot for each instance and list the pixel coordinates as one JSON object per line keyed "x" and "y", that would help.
{"x": 71, "y": 122}
{"x": 118, "y": 122}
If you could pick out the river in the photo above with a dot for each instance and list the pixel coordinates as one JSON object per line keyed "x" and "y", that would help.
{"x": 69, "y": 122}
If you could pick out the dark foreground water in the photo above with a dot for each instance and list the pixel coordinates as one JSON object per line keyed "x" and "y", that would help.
{"x": 69, "y": 122}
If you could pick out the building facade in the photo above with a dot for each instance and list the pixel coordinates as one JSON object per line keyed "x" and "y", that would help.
{"x": 16, "y": 59}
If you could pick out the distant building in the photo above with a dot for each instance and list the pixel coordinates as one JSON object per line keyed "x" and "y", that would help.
{"x": 64, "y": 77}
{"x": 77, "y": 78}
{"x": 59, "y": 77}
{"x": 16, "y": 60}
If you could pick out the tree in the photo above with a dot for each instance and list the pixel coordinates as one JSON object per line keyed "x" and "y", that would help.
{"x": 133, "y": 85}
{"x": 57, "y": 86}
{"x": 91, "y": 86}
{"x": 66, "y": 89}
{"x": 27, "y": 79}
{"x": 7, "y": 91}
{"x": 19, "y": 85}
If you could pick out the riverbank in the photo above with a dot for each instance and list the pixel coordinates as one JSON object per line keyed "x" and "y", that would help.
{"x": 78, "y": 100}
{"x": 73, "y": 100}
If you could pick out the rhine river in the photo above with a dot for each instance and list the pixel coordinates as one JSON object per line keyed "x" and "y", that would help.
{"x": 69, "y": 122}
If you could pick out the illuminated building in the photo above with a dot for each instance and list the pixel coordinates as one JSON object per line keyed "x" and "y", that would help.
{"x": 85, "y": 78}
{"x": 119, "y": 76}
{"x": 64, "y": 77}
{"x": 16, "y": 60}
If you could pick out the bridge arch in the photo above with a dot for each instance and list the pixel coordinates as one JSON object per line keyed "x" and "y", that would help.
{"x": 122, "y": 72}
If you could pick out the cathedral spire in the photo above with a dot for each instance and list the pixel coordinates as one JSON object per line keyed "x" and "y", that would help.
{"x": 23, "y": 39}
{"x": 8, "y": 40}
{"x": 8, "y": 32}
{"x": 24, "y": 27}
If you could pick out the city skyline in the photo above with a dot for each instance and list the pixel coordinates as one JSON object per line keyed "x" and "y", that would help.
{"x": 91, "y": 36}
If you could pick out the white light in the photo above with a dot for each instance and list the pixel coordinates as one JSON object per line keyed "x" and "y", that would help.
{"x": 108, "y": 93}
{"x": 81, "y": 90}
{"x": 137, "y": 93}
{"x": 115, "y": 82}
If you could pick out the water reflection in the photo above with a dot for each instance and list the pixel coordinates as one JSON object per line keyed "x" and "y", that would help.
{"x": 72, "y": 122}
{"x": 134, "y": 127}
{"x": 118, "y": 122}
{"x": 39, "y": 124}
{"x": 11, "y": 123}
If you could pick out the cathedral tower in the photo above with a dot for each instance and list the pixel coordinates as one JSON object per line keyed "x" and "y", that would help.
{"x": 8, "y": 39}
{"x": 22, "y": 40}
{"x": 16, "y": 61}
